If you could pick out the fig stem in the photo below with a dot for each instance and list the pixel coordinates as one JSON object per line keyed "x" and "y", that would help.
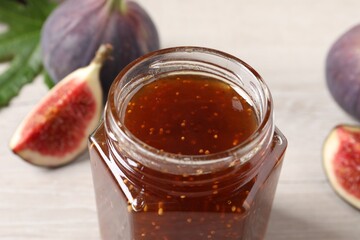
{"x": 102, "y": 54}
{"x": 118, "y": 5}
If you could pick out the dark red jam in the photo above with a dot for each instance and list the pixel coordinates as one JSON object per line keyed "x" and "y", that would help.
{"x": 186, "y": 156}
{"x": 190, "y": 115}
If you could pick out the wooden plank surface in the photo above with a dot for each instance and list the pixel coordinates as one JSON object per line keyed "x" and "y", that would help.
{"x": 287, "y": 42}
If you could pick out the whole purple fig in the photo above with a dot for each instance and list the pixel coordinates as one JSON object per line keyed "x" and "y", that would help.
{"x": 343, "y": 71}
{"x": 76, "y": 29}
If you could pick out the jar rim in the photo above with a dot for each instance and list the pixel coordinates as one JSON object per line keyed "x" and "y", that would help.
{"x": 244, "y": 149}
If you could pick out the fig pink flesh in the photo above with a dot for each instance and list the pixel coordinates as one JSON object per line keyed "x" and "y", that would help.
{"x": 347, "y": 161}
{"x": 58, "y": 126}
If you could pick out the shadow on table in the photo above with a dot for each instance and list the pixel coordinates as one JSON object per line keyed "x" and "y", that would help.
{"x": 284, "y": 226}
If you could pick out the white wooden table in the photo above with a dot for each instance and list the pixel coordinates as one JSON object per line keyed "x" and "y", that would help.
{"x": 287, "y": 42}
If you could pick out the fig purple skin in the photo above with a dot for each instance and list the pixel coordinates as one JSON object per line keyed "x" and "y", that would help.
{"x": 343, "y": 71}
{"x": 76, "y": 29}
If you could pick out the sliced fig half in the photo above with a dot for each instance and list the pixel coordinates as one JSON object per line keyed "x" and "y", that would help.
{"x": 341, "y": 156}
{"x": 56, "y": 131}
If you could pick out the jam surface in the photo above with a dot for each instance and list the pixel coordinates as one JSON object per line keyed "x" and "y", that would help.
{"x": 190, "y": 115}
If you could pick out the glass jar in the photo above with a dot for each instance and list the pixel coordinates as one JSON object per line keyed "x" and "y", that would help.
{"x": 144, "y": 193}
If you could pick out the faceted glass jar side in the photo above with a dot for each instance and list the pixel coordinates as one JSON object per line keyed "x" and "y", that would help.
{"x": 142, "y": 193}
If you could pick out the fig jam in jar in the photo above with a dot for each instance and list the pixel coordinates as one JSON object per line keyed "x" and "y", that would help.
{"x": 187, "y": 149}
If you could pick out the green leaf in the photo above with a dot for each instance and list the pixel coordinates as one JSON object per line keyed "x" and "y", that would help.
{"x": 21, "y": 44}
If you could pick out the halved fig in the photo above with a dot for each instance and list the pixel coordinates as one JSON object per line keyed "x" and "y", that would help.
{"x": 341, "y": 156}
{"x": 56, "y": 131}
